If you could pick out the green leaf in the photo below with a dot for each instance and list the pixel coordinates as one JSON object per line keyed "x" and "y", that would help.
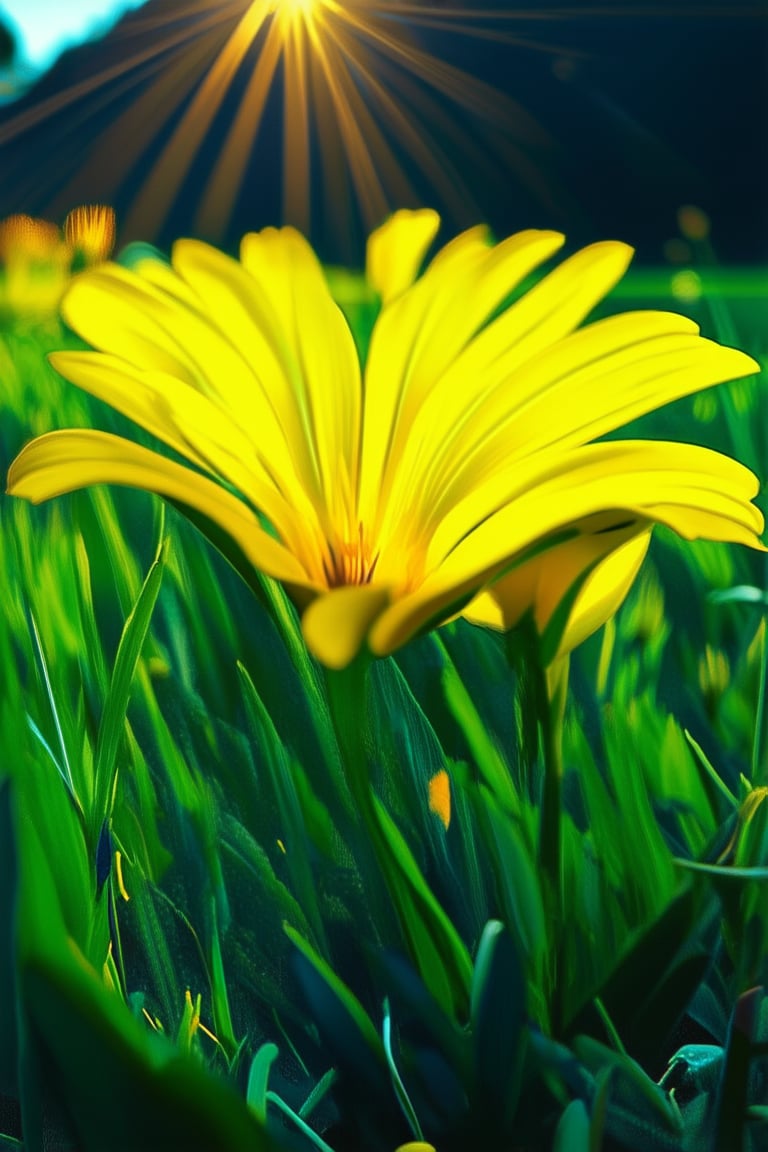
{"x": 489, "y": 760}
{"x": 640, "y": 976}
{"x": 284, "y": 778}
{"x": 8, "y": 944}
{"x": 258, "y": 1080}
{"x": 397, "y": 1082}
{"x": 733, "y": 1088}
{"x": 518, "y": 886}
{"x": 137, "y": 251}
{"x": 597, "y": 1058}
{"x": 124, "y": 1089}
{"x": 600, "y": 1108}
{"x": 739, "y": 594}
{"x": 407, "y": 992}
{"x": 222, "y": 1017}
{"x": 112, "y": 723}
{"x": 724, "y": 871}
{"x": 438, "y": 950}
{"x": 348, "y": 1007}
{"x": 498, "y": 1014}
{"x": 572, "y": 1132}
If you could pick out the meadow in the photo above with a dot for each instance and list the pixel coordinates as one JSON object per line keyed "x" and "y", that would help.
{"x": 250, "y": 903}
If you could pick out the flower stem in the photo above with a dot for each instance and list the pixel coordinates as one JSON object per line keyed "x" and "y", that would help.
{"x": 347, "y": 688}
{"x": 541, "y": 696}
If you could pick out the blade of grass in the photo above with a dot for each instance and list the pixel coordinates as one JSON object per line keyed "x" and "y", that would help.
{"x": 112, "y": 724}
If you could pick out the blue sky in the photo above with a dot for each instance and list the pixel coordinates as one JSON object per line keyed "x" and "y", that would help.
{"x": 44, "y": 28}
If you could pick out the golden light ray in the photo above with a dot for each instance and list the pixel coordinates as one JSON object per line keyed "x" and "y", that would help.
{"x": 155, "y": 198}
{"x": 226, "y": 178}
{"x": 296, "y": 174}
{"x": 191, "y": 46}
{"x": 354, "y": 81}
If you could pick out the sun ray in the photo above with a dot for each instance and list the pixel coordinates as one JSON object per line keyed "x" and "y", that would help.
{"x": 156, "y": 196}
{"x": 187, "y": 98}
{"x": 160, "y": 98}
{"x": 227, "y": 175}
{"x": 296, "y": 176}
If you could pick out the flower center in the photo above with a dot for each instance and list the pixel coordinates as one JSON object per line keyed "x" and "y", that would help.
{"x": 350, "y": 561}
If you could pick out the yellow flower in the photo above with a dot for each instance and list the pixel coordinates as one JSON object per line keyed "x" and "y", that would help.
{"x": 459, "y": 459}
{"x": 23, "y": 237}
{"x": 90, "y": 231}
{"x": 34, "y": 268}
{"x": 36, "y": 258}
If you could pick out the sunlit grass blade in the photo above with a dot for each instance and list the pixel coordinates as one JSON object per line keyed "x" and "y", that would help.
{"x": 116, "y": 703}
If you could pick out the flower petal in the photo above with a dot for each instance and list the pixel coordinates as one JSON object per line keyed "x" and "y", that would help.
{"x": 586, "y": 385}
{"x": 553, "y": 488}
{"x": 396, "y": 250}
{"x": 417, "y": 337}
{"x": 208, "y": 436}
{"x": 610, "y": 560}
{"x": 319, "y": 354}
{"x": 336, "y": 624}
{"x": 116, "y": 311}
{"x": 459, "y": 368}
{"x": 696, "y": 492}
{"x": 604, "y": 591}
{"x": 60, "y": 462}
{"x": 131, "y": 317}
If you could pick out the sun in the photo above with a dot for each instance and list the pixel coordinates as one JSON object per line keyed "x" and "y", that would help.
{"x": 296, "y": 9}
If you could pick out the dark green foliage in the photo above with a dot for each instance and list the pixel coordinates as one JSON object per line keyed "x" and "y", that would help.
{"x": 229, "y": 918}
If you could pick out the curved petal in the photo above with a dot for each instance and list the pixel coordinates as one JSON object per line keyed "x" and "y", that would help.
{"x": 417, "y": 337}
{"x": 604, "y": 591}
{"x": 160, "y": 273}
{"x": 587, "y": 385}
{"x": 319, "y": 352}
{"x": 120, "y": 312}
{"x": 693, "y": 490}
{"x": 395, "y": 251}
{"x": 237, "y": 311}
{"x": 336, "y": 624}
{"x": 611, "y": 561}
{"x": 195, "y": 427}
{"x": 468, "y": 365}
{"x": 61, "y": 462}
{"x": 117, "y": 311}
{"x": 542, "y": 493}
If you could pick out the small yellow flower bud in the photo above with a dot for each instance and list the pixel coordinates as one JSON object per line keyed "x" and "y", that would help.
{"x": 90, "y": 230}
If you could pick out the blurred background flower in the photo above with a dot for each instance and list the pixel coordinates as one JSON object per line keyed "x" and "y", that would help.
{"x": 37, "y": 259}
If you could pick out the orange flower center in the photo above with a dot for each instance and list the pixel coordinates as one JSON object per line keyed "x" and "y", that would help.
{"x": 350, "y": 561}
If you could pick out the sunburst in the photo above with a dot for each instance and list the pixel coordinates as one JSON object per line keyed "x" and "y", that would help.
{"x": 342, "y": 108}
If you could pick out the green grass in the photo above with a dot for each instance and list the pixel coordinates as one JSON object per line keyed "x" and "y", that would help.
{"x": 228, "y": 917}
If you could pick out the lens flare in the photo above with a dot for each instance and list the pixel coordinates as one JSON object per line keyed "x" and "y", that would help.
{"x": 321, "y": 112}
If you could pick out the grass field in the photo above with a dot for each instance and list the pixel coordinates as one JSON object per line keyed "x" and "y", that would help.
{"x": 210, "y": 939}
